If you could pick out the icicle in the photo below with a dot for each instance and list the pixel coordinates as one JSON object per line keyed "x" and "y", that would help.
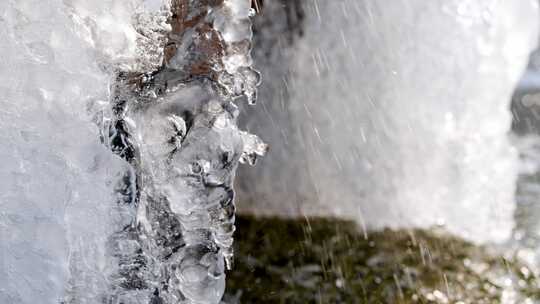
{"x": 177, "y": 127}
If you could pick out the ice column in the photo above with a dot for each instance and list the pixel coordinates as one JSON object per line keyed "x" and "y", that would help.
{"x": 177, "y": 128}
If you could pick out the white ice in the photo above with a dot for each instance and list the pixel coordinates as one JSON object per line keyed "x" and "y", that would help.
{"x": 397, "y": 115}
{"x": 56, "y": 178}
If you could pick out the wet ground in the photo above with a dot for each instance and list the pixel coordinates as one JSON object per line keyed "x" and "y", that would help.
{"x": 333, "y": 261}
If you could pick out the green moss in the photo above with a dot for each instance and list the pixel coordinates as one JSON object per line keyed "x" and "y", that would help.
{"x": 330, "y": 261}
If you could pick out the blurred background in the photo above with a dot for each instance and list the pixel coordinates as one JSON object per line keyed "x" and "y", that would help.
{"x": 419, "y": 117}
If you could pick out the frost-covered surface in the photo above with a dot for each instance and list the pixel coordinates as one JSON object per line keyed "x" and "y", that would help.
{"x": 55, "y": 176}
{"x": 130, "y": 213}
{"x": 395, "y": 113}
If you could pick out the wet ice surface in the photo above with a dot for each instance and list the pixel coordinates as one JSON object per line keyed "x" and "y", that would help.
{"x": 55, "y": 175}
{"x": 394, "y": 114}
{"x": 113, "y": 192}
{"x": 322, "y": 260}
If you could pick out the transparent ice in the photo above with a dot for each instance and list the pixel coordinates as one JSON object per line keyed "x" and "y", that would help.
{"x": 114, "y": 191}
{"x": 55, "y": 176}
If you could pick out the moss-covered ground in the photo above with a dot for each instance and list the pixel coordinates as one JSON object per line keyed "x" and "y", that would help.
{"x": 332, "y": 261}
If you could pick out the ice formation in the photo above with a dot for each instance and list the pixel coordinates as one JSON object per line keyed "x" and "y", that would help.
{"x": 394, "y": 113}
{"x": 120, "y": 142}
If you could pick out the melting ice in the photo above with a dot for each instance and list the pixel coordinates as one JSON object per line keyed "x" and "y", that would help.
{"x": 121, "y": 145}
